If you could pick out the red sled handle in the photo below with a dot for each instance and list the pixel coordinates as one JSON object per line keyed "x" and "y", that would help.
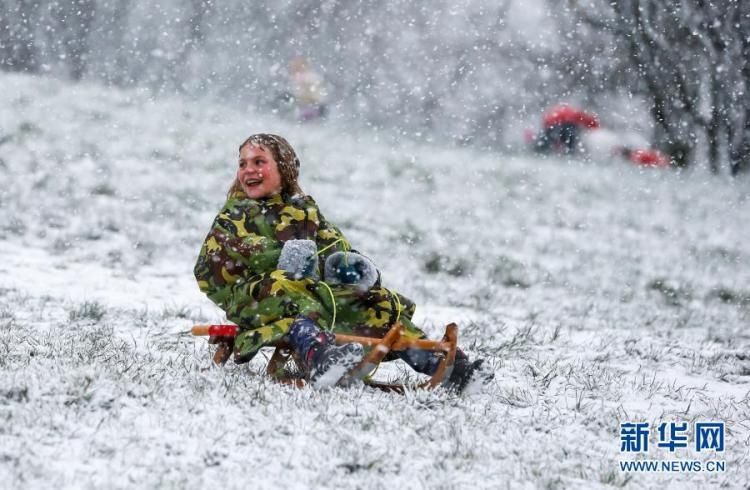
{"x": 214, "y": 330}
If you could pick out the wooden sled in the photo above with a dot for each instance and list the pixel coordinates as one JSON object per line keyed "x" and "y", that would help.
{"x": 379, "y": 348}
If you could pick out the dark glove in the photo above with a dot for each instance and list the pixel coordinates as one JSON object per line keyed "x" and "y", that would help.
{"x": 299, "y": 258}
{"x": 350, "y": 268}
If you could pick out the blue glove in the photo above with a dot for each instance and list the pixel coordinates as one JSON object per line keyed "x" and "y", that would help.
{"x": 299, "y": 258}
{"x": 350, "y": 268}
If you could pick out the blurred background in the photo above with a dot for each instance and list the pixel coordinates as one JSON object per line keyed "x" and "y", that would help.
{"x": 466, "y": 72}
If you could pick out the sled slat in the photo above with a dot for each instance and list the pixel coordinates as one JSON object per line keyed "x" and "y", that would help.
{"x": 445, "y": 368}
{"x": 399, "y": 345}
{"x": 378, "y": 352}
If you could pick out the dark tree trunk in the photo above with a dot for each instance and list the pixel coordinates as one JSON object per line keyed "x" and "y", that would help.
{"x": 739, "y": 154}
{"x": 713, "y": 131}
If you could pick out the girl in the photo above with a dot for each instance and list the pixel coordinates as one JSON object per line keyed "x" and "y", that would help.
{"x": 279, "y": 269}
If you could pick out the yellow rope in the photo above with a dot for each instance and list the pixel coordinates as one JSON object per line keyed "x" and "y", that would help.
{"x": 345, "y": 246}
{"x": 398, "y": 303}
{"x": 333, "y": 302}
{"x": 398, "y": 316}
{"x": 370, "y": 376}
{"x": 330, "y": 291}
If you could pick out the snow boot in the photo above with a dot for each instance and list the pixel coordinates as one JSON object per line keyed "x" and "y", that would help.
{"x": 331, "y": 362}
{"x": 325, "y": 362}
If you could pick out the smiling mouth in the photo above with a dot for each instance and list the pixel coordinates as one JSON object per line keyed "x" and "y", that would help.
{"x": 251, "y": 182}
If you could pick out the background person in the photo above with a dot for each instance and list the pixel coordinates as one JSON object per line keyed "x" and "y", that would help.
{"x": 561, "y": 127}
{"x": 307, "y": 88}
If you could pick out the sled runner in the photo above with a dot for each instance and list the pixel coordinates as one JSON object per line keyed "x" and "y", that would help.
{"x": 221, "y": 335}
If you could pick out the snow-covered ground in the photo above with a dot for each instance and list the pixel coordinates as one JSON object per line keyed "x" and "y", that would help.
{"x": 601, "y": 293}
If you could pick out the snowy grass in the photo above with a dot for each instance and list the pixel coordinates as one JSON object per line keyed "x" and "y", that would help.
{"x": 599, "y": 293}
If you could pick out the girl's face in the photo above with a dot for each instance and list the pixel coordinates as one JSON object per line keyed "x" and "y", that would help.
{"x": 258, "y": 172}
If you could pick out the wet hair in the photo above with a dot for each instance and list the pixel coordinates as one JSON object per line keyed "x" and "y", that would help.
{"x": 285, "y": 157}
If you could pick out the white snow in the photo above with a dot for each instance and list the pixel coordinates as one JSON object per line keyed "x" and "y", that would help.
{"x": 598, "y": 292}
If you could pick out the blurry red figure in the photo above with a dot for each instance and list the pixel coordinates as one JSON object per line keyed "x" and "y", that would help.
{"x": 644, "y": 157}
{"x": 561, "y": 127}
{"x": 565, "y": 114}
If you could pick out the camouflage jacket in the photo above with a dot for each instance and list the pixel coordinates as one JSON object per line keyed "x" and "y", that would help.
{"x": 247, "y": 237}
